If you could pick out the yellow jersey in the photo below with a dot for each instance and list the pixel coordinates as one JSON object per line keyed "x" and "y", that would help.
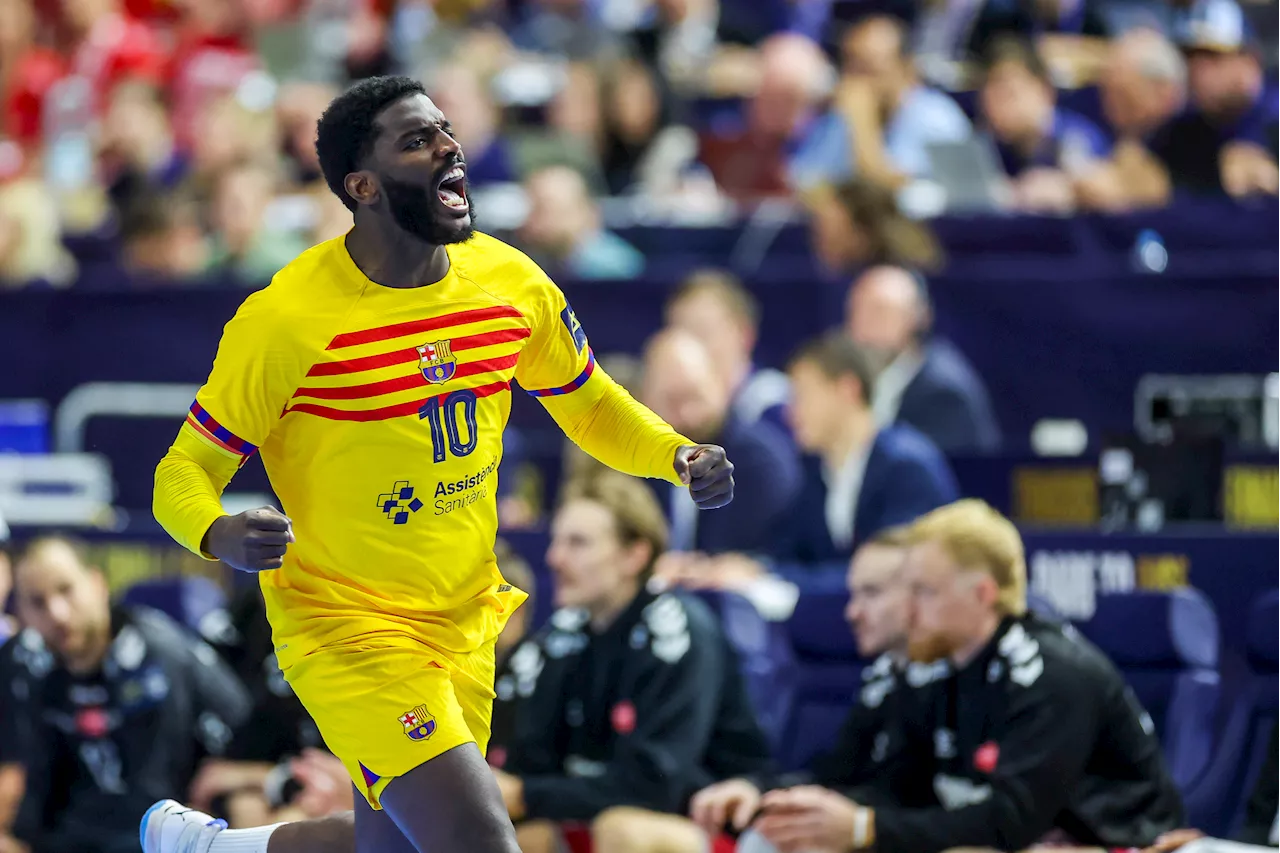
{"x": 379, "y": 414}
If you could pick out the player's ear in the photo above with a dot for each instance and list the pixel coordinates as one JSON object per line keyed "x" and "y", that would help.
{"x": 362, "y": 186}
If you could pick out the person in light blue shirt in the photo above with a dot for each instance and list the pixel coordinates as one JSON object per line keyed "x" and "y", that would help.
{"x": 564, "y": 233}
{"x": 882, "y": 118}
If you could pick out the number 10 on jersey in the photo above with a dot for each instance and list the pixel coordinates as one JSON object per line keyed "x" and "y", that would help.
{"x": 446, "y": 432}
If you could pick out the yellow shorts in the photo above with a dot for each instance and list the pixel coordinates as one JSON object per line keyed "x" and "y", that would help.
{"x": 388, "y": 704}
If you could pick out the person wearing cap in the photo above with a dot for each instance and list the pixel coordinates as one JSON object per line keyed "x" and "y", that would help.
{"x": 1226, "y": 140}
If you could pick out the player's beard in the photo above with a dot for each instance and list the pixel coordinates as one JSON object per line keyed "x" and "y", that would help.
{"x": 416, "y": 211}
{"x": 927, "y": 648}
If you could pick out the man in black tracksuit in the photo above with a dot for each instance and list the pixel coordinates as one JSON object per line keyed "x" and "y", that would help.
{"x": 627, "y": 699}
{"x": 107, "y": 708}
{"x": 1035, "y": 735}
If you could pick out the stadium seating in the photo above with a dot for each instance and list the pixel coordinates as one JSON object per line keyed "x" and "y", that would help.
{"x": 1217, "y": 803}
{"x": 828, "y": 668}
{"x": 765, "y": 657}
{"x": 187, "y": 600}
{"x": 1166, "y": 646}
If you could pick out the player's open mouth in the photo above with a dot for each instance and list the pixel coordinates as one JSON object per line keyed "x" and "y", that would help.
{"x": 452, "y": 189}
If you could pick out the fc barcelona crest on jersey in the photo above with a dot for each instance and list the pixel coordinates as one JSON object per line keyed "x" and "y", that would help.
{"x": 437, "y": 362}
{"x": 418, "y": 723}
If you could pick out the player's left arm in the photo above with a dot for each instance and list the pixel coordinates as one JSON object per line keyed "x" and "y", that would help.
{"x": 558, "y": 367}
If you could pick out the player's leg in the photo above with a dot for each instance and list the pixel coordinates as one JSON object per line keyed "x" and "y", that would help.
{"x": 451, "y": 803}
{"x": 630, "y": 830}
{"x": 375, "y": 832}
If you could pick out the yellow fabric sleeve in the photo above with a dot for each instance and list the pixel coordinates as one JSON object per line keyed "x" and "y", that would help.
{"x": 188, "y": 488}
{"x": 608, "y": 423}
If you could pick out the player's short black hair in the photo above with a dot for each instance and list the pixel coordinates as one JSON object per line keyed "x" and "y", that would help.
{"x": 346, "y": 131}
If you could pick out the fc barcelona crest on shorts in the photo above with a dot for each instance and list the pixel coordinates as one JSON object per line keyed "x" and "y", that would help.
{"x": 418, "y": 723}
{"x": 437, "y": 362}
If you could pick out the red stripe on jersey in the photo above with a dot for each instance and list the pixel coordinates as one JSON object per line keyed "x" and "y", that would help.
{"x": 390, "y": 359}
{"x": 402, "y": 383}
{"x": 204, "y": 431}
{"x": 386, "y": 413}
{"x": 444, "y": 321}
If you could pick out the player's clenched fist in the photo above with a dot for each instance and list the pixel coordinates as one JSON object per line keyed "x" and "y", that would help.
{"x": 252, "y": 541}
{"x": 707, "y": 472}
{"x": 734, "y": 800}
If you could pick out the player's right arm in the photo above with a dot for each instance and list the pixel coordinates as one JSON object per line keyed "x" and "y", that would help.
{"x": 256, "y": 371}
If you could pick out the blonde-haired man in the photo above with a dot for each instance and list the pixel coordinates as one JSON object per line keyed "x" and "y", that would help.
{"x": 1034, "y": 736}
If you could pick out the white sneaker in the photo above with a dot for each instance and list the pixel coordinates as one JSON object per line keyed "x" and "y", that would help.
{"x": 171, "y": 827}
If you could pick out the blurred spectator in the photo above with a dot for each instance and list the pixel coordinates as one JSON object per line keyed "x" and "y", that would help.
{"x": 298, "y": 108}
{"x": 920, "y": 380}
{"x": 563, "y": 230}
{"x": 8, "y": 625}
{"x": 1035, "y": 737}
{"x": 626, "y": 698}
{"x": 682, "y": 386}
{"x": 639, "y": 153}
{"x": 1262, "y": 815}
{"x": 1143, "y": 86}
{"x": 98, "y": 44}
{"x": 858, "y": 222}
{"x": 1043, "y": 147}
{"x": 244, "y": 243}
{"x": 516, "y": 572}
{"x": 716, "y": 307}
{"x": 861, "y": 478}
{"x": 230, "y": 132}
{"x": 278, "y": 730}
{"x": 570, "y": 28}
{"x": 31, "y": 235}
{"x": 1226, "y": 141}
{"x": 137, "y": 148}
{"x": 872, "y": 737}
{"x": 461, "y": 95}
{"x": 214, "y": 57}
{"x": 162, "y": 238}
{"x": 749, "y": 160}
{"x": 107, "y": 708}
{"x": 883, "y": 119}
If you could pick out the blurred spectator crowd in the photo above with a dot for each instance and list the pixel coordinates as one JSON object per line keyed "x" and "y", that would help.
{"x": 172, "y": 140}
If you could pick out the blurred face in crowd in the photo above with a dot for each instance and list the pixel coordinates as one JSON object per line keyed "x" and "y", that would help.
{"x": 66, "y": 602}
{"x": 682, "y": 386}
{"x": 883, "y": 314}
{"x": 874, "y": 50}
{"x": 421, "y": 172}
{"x": 136, "y": 127}
{"x": 633, "y": 104}
{"x": 879, "y": 602}
{"x": 228, "y": 133}
{"x": 950, "y": 605}
{"x": 1017, "y": 104}
{"x": 1140, "y": 83}
{"x": 592, "y": 567}
{"x": 6, "y": 580}
{"x": 820, "y": 405}
{"x": 726, "y": 336}
{"x": 459, "y": 93}
{"x": 561, "y": 211}
{"x": 575, "y": 110}
{"x": 790, "y": 66}
{"x": 240, "y": 203}
{"x": 1223, "y": 85}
